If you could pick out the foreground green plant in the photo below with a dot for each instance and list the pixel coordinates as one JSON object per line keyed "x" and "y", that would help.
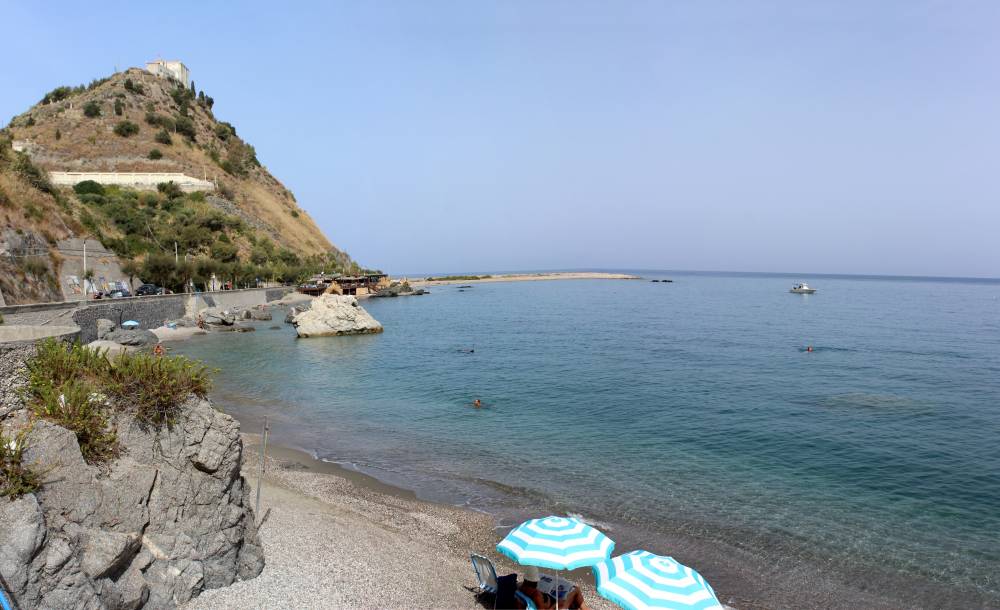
{"x": 82, "y": 389}
{"x": 16, "y": 479}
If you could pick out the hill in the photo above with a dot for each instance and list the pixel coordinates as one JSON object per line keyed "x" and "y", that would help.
{"x": 134, "y": 121}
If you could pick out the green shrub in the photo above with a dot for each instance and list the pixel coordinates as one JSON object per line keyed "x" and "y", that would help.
{"x": 119, "y": 107}
{"x": 16, "y": 479}
{"x": 170, "y": 189}
{"x": 91, "y": 109}
{"x": 126, "y": 129}
{"x": 155, "y": 154}
{"x": 58, "y": 134}
{"x": 4, "y": 199}
{"x": 162, "y": 137}
{"x": 134, "y": 87}
{"x": 88, "y": 187}
{"x": 81, "y": 389}
{"x": 295, "y": 213}
{"x": 224, "y": 130}
{"x": 184, "y": 126}
{"x": 57, "y": 95}
{"x": 30, "y": 122}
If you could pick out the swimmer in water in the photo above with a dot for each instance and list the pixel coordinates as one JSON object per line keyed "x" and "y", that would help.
{"x": 809, "y": 348}
{"x": 477, "y": 403}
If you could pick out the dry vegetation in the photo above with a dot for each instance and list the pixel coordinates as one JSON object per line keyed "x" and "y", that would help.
{"x": 66, "y": 139}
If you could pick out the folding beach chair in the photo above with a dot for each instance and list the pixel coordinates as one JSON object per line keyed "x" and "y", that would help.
{"x": 486, "y": 574}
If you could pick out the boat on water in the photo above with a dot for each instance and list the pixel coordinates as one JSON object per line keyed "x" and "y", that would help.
{"x": 802, "y": 288}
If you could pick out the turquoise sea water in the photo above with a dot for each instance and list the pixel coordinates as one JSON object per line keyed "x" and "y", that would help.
{"x": 687, "y": 417}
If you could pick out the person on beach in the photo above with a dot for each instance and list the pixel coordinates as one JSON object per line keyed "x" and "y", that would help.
{"x": 529, "y": 586}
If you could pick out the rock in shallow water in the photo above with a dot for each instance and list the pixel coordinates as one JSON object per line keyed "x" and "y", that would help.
{"x": 332, "y": 315}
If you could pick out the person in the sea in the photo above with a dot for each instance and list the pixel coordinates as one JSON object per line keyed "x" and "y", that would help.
{"x": 529, "y": 586}
{"x": 477, "y": 403}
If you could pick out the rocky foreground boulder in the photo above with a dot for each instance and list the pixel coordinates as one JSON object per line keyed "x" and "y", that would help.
{"x": 333, "y": 314}
{"x": 168, "y": 518}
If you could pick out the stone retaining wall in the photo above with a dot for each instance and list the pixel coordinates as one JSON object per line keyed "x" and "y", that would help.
{"x": 149, "y": 312}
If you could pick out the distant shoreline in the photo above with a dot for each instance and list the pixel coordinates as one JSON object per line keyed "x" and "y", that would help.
{"x": 523, "y": 277}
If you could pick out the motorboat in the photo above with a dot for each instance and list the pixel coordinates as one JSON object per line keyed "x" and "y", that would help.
{"x": 802, "y": 288}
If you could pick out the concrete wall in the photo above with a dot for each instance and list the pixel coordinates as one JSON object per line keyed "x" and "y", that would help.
{"x": 137, "y": 180}
{"x": 149, "y": 312}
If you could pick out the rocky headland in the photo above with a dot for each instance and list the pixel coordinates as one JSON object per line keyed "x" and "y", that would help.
{"x": 164, "y": 518}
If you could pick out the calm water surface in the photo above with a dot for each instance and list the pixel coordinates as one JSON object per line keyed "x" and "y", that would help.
{"x": 689, "y": 409}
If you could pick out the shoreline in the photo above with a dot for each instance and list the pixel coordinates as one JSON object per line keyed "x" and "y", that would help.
{"x": 527, "y": 277}
{"x": 334, "y": 537}
{"x": 736, "y": 564}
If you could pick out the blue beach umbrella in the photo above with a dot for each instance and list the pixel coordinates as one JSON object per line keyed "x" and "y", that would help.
{"x": 641, "y": 580}
{"x": 558, "y": 543}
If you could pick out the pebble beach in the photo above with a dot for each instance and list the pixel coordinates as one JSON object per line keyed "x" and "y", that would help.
{"x": 334, "y": 538}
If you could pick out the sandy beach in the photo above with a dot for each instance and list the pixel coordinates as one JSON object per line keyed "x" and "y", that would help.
{"x": 529, "y": 277}
{"x": 334, "y": 538}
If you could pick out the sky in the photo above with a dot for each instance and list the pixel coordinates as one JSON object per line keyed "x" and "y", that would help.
{"x": 824, "y": 137}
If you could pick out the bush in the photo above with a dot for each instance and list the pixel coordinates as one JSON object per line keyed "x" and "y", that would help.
{"x": 4, "y": 199}
{"x": 88, "y": 187}
{"x": 58, "y": 134}
{"x": 126, "y": 129}
{"x": 30, "y": 172}
{"x": 155, "y": 154}
{"x": 295, "y": 213}
{"x": 30, "y": 122}
{"x": 170, "y": 189}
{"x": 224, "y": 130}
{"x": 119, "y": 107}
{"x": 57, "y": 95}
{"x": 91, "y": 109}
{"x": 80, "y": 389}
{"x": 15, "y": 478}
{"x": 184, "y": 126}
{"x": 134, "y": 87}
{"x": 162, "y": 137}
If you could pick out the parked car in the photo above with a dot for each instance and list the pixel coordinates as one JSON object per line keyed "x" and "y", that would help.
{"x": 148, "y": 290}
{"x": 119, "y": 294}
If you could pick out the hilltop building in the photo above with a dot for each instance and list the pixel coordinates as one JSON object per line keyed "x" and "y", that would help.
{"x": 170, "y": 69}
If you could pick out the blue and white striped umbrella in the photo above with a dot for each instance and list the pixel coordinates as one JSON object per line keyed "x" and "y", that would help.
{"x": 641, "y": 580}
{"x": 557, "y": 543}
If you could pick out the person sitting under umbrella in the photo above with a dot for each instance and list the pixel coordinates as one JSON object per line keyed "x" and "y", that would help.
{"x": 573, "y": 599}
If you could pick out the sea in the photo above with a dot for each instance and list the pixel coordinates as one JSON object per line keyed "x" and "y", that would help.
{"x": 840, "y": 449}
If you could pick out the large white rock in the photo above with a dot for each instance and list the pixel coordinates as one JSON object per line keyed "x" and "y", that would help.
{"x": 334, "y": 314}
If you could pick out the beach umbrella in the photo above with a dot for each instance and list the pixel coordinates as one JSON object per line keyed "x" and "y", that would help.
{"x": 640, "y": 580}
{"x": 557, "y": 543}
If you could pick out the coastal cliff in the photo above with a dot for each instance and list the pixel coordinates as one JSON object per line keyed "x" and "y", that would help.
{"x": 166, "y": 518}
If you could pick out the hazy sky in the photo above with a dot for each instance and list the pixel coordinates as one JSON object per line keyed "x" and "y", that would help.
{"x": 855, "y": 137}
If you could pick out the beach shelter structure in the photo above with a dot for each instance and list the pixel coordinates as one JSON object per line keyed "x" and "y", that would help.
{"x": 557, "y": 543}
{"x": 641, "y": 580}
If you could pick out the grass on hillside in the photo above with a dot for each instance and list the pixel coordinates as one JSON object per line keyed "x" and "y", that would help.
{"x": 81, "y": 389}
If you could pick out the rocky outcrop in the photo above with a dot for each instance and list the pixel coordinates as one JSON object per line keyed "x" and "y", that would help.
{"x": 292, "y": 312}
{"x": 167, "y": 519}
{"x": 137, "y": 337}
{"x": 215, "y": 318}
{"x": 332, "y": 315}
{"x": 398, "y": 289}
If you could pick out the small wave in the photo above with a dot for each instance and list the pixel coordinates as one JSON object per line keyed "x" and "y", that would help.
{"x": 601, "y": 525}
{"x": 868, "y": 401}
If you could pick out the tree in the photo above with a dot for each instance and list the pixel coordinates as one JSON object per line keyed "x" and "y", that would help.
{"x": 91, "y": 109}
{"x": 131, "y": 269}
{"x": 192, "y": 88}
